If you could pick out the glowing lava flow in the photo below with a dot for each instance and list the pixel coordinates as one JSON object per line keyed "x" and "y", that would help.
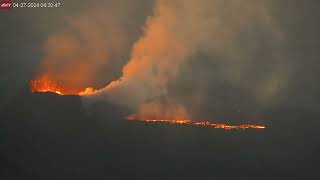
{"x": 46, "y": 85}
{"x": 204, "y": 123}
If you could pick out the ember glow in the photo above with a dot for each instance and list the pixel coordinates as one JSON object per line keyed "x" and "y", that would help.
{"x": 46, "y": 85}
{"x": 202, "y": 123}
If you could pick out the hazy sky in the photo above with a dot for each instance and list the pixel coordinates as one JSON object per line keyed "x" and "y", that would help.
{"x": 251, "y": 53}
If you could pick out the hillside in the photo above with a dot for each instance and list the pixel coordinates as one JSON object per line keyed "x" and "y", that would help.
{"x": 53, "y": 137}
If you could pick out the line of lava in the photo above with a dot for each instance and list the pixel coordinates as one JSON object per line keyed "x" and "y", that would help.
{"x": 204, "y": 123}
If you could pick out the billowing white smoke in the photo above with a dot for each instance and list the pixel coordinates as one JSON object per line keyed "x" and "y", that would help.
{"x": 176, "y": 32}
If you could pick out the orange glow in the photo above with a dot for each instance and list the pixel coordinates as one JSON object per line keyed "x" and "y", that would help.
{"x": 44, "y": 84}
{"x": 202, "y": 123}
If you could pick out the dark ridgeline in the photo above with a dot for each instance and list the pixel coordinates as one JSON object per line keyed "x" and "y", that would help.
{"x": 47, "y": 136}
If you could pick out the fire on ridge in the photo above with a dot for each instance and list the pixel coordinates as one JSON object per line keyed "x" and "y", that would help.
{"x": 46, "y": 85}
{"x": 202, "y": 123}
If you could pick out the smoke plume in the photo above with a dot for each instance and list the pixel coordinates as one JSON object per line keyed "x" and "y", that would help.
{"x": 176, "y": 34}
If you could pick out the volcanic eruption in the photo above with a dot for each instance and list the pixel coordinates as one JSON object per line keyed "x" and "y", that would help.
{"x": 155, "y": 62}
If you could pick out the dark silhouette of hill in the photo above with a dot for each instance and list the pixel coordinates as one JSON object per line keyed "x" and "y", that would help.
{"x": 47, "y": 136}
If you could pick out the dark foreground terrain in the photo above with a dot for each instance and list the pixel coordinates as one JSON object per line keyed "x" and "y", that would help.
{"x": 50, "y": 137}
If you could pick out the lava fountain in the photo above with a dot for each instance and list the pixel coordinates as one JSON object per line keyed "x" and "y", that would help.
{"x": 44, "y": 84}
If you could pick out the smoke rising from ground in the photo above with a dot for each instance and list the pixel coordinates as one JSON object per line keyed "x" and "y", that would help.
{"x": 179, "y": 33}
